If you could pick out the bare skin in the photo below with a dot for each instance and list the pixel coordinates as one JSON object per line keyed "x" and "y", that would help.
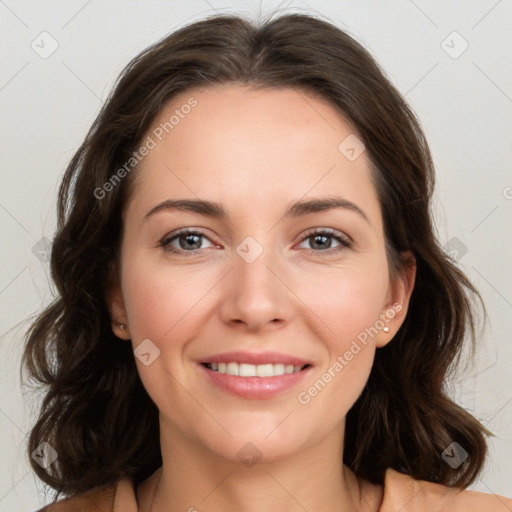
{"x": 255, "y": 153}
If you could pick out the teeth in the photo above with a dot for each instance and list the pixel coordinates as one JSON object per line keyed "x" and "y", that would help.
{"x": 233, "y": 369}
{"x": 251, "y": 370}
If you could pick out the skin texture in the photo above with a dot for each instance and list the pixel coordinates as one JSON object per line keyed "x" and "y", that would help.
{"x": 255, "y": 152}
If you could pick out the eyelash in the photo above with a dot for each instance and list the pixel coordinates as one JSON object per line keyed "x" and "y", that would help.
{"x": 345, "y": 242}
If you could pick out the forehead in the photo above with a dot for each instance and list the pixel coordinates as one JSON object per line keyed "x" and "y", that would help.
{"x": 241, "y": 147}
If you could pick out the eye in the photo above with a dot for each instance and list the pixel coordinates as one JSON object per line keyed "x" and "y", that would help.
{"x": 322, "y": 241}
{"x": 186, "y": 239}
{"x": 189, "y": 241}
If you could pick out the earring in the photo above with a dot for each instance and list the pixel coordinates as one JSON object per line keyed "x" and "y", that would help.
{"x": 385, "y": 328}
{"x": 121, "y": 326}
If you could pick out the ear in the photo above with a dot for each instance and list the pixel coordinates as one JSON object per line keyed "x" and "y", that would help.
{"x": 116, "y": 307}
{"x": 399, "y": 294}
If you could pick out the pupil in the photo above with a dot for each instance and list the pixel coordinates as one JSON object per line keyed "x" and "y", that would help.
{"x": 322, "y": 237}
{"x": 188, "y": 237}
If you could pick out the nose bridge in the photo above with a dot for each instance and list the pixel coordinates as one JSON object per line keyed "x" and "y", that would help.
{"x": 254, "y": 259}
{"x": 256, "y": 294}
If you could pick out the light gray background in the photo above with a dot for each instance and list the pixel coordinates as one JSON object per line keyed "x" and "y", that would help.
{"x": 464, "y": 104}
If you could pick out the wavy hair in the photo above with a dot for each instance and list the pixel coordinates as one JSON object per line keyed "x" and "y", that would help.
{"x": 96, "y": 413}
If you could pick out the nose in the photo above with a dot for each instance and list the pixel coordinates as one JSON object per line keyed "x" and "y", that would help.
{"x": 256, "y": 294}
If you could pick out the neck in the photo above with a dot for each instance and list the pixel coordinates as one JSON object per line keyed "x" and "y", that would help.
{"x": 193, "y": 479}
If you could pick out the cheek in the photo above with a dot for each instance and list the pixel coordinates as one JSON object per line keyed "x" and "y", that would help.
{"x": 346, "y": 306}
{"x": 164, "y": 305}
{"x": 347, "y": 300}
{"x": 161, "y": 300}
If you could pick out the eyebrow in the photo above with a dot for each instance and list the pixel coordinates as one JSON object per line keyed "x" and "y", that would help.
{"x": 297, "y": 209}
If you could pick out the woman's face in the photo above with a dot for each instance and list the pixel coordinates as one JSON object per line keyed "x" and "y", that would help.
{"x": 256, "y": 283}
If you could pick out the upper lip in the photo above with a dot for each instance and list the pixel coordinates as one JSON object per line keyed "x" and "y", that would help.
{"x": 256, "y": 358}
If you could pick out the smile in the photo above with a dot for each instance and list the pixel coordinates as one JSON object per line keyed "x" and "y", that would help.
{"x": 252, "y": 370}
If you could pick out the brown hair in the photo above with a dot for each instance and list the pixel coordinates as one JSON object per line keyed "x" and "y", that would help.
{"x": 97, "y": 415}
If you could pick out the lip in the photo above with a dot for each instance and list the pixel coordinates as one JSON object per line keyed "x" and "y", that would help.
{"x": 255, "y": 388}
{"x": 254, "y": 358}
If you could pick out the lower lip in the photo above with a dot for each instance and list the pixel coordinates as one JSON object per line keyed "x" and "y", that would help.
{"x": 256, "y": 388}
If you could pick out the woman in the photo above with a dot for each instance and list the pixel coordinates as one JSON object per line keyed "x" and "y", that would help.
{"x": 253, "y": 310}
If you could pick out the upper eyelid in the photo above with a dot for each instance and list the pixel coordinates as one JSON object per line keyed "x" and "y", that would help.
{"x": 185, "y": 231}
{"x": 331, "y": 231}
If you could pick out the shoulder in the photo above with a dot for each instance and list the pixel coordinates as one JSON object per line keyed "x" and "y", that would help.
{"x": 404, "y": 493}
{"x": 100, "y": 499}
